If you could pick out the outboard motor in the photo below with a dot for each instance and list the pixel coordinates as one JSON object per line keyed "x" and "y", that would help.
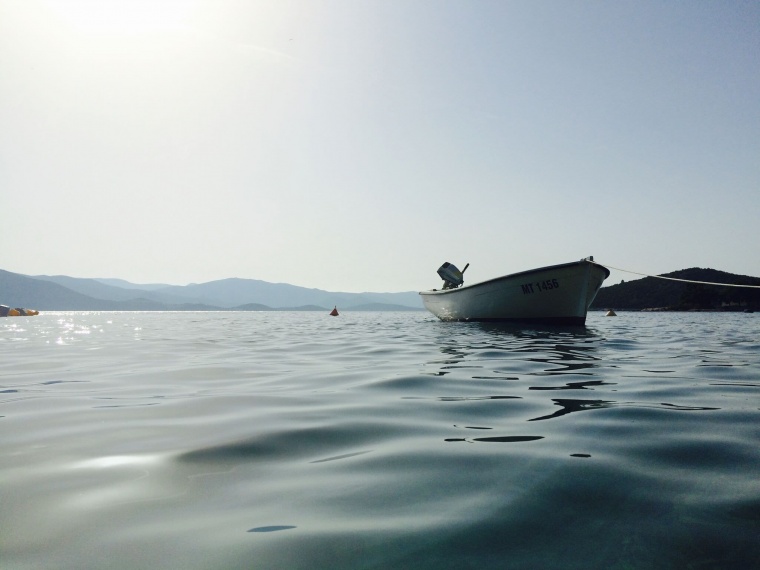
{"x": 452, "y": 277}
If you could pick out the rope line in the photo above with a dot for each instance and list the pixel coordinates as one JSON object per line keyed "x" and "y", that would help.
{"x": 676, "y": 279}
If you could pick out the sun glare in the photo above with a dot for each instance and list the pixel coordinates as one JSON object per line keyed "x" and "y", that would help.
{"x": 124, "y": 17}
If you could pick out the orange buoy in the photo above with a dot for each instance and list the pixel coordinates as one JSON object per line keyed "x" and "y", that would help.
{"x": 334, "y": 312}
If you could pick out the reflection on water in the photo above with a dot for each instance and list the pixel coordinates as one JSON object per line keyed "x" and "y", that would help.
{"x": 574, "y": 385}
{"x": 561, "y": 350}
{"x": 273, "y": 528}
{"x": 535, "y": 352}
{"x": 478, "y": 352}
{"x": 570, "y": 406}
{"x": 500, "y": 439}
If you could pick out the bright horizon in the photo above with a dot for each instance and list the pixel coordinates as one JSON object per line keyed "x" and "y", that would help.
{"x": 356, "y": 146}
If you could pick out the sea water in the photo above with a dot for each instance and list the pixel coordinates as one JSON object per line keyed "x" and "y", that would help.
{"x": 234, "y": 440}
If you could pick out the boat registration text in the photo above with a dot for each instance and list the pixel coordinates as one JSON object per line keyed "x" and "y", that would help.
{"x": 538, "y": 286}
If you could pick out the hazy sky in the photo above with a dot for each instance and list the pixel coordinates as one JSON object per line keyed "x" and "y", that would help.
{"x": 355, "y": 145}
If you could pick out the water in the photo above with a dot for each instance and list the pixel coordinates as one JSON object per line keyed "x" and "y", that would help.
{"x": 378, "y": 440}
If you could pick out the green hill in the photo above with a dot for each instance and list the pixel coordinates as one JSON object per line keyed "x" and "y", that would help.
{"x": 655, "y": 293}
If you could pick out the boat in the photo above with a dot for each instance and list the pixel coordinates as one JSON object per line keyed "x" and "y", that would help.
{"x": 556, "y": 294}
{"x": 6, "y": 311}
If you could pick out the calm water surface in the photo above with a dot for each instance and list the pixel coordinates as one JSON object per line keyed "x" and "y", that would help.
{"x": 378, "y": 440}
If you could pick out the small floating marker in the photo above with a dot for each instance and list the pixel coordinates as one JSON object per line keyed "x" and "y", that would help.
{"x": 611, "y": 313}
{"x": 334, "y": 312}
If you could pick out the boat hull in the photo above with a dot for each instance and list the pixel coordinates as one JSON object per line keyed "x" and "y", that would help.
{"x": 557, "y": 294}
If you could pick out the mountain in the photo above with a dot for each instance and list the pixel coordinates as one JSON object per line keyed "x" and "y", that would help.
{"x": 97, "y": 289}
{"x": 127, "y": 285}
{"x": 654, "y": 293}
{"x": 234, "y": 292}
{"x": 63, "y": 293}
{"x": 60, "y": 292}
{"x": 23, "y": 291}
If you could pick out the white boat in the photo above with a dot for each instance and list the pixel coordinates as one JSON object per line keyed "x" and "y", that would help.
{"x": 557, "y": 294}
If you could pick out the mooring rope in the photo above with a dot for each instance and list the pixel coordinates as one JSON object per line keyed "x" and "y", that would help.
{"x": 676, "y": 279}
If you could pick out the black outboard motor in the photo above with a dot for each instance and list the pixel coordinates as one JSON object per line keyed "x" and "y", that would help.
{"x": 452, "y": 277}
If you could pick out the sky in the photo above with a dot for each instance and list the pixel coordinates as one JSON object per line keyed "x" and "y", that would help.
{"x": 356, "y": 145}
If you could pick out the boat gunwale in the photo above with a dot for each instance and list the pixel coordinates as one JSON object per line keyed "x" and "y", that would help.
{"x": 512, "y": 275}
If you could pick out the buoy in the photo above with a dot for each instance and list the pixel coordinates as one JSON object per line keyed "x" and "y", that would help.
{"x": 334, "y": 312}
{"x": 611, "y": 313}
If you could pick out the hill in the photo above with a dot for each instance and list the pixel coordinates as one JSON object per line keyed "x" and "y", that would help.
{"x": 23, "y": 291}
{"x": 233, "y": 292}
{"x": 654, "y": 293}
{"x": 65, "y": 293}
{"x": 118, "y": 290}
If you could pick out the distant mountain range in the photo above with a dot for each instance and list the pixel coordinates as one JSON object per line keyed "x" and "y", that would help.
{"x": 652, "y": 293}
{"x": 62, "y": 293}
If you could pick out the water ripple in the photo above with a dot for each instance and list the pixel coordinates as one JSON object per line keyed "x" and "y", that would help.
{"x": 294, "y": 440}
